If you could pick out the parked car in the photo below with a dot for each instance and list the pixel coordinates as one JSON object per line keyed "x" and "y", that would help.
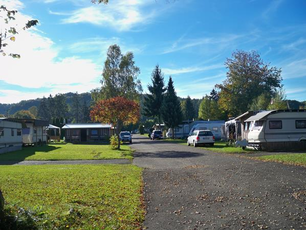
{"x": 201, "y": 137}
{"x": 125, "y": 136}
{"x": 156, "y": 134}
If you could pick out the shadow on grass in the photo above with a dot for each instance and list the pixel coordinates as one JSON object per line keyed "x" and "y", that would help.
{"x": 20, "y": 155}
{"x": 168, "y": 154}
{"x": 17, "y": 219}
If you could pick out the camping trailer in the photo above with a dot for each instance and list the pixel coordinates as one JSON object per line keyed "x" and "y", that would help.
{"x": 214, "y": 126}
{"x": 34, "y": 131}
{"x": 277, "y": 130}
{"x": 10, "y": 135}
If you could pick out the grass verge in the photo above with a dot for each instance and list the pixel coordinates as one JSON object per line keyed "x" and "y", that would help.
{"x": 73, "y": 196}
{"x": 295, "y": 158}
{"x": 68, "y": 152}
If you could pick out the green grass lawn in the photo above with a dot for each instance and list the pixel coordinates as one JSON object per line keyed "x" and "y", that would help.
{"x": 68, "y": 152}
{"x": 295, "y": 158}
{"x": 74, "y": 196}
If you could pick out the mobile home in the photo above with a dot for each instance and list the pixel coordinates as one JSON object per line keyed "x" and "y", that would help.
{"x": 10, "y": 135}
{"x": 277, "y": 130}
{"x": 88, "y": 132}
{"x": 214, "y": 126}
{"x": 34, "y": 131}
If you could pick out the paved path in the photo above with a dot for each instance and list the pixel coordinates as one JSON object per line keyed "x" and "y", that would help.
{"x": 190, "y": 188}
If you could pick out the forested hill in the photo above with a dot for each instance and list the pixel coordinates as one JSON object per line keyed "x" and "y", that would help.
{"x": 10, "y": 109}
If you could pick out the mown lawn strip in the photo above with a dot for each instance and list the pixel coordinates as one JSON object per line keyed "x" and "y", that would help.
{"x": 68, "y": 152}
{"x": 76, "y": 196}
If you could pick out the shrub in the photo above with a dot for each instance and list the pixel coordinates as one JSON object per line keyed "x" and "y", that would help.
{"x": 114, "y": 141}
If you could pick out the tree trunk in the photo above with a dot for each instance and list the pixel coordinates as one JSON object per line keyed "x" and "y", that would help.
{"x": 173, "y": 130}
{"x": 118, "y": 130}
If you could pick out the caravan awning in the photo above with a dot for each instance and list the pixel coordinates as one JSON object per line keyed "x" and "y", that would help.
{"x": 259, "y": 116}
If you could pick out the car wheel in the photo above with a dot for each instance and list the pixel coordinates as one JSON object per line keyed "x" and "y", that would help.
{"x": 188, "y": 143}
{"x": 194, "y": 144}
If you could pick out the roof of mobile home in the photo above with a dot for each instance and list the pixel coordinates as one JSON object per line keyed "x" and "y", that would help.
{"x": 278, "y": 114}
{"x": 87, "y": 126}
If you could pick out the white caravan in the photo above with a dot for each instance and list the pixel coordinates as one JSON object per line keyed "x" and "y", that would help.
{"x": 34, "y": 131}
{"x": 214, "y": 126}
{"x": 10, "y": 135}
{"x": 277, "y": 130}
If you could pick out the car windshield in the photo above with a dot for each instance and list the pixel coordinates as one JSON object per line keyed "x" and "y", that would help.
{"x": 125, "y": 133}
{"x": 205, "y": 133}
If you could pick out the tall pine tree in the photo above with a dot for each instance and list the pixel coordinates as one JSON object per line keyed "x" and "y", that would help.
{"x": 188, "y": 109}
{"x": 153, "y": 101}
{"x": 171, "y": 108}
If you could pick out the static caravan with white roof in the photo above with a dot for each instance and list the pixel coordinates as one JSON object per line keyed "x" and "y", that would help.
{"x": 10, "y": 135}
{"x": 277, "y": 130}
{"x": 87, "y": 132}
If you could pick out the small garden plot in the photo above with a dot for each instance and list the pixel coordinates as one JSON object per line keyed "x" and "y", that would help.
{"x": 74, "y": 196}
{"x": 68, "y": 152}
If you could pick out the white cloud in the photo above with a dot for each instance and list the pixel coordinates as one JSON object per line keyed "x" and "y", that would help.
{"x": 40, "y": 67}
{"x": 294, "y": 46}
{"x": 294, "y": 69}
{"x": 102, "y": 45}
{"x": 12, "y": 4}
{"x": 191, "y": 69}
{"x": 218, "y": 42}
{"x": 273, "y": 6}
{"x": 120, "y": 15}
{"x": 13, "y": 96}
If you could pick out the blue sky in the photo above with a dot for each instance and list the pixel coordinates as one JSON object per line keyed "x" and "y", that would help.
{"x": 189, "y": 39}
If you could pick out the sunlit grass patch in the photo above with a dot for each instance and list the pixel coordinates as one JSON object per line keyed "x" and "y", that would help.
{"x": 76, "y": 196}
{"x": 68, "y": 152}
{"x": 295, "y": 158}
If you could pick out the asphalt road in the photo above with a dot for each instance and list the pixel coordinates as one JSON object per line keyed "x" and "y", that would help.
{"x": 190, "y": 188}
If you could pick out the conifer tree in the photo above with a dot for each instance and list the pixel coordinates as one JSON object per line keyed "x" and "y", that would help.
{"x": 171, "y": 108}
{"x": 188, "y": 109}
{"x": 153, "y": 101}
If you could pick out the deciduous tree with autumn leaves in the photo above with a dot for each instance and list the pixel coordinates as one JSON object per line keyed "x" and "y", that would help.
{"x": 117, "y": 100}
{"x": 117, "y": 111}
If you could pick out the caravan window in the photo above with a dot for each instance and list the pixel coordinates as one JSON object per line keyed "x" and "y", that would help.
{"x": 1, "y": 132}
{"x": 258, "y": 125}
{"x": 25, "y": 131}
{"x": 275, "y": 125}
{"x": 18, "y": 132}
{"x": 12, "y": 132}
{"x": 300, "y": 124}
{"x": 246, "y": 126}
{"x": 94, "y": 132}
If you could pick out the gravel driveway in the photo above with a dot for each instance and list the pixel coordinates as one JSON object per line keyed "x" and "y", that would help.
{"x": 190, "y": 188}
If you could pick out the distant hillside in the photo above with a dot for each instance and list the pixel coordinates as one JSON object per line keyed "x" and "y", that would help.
{"x": 9, "y": 109}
